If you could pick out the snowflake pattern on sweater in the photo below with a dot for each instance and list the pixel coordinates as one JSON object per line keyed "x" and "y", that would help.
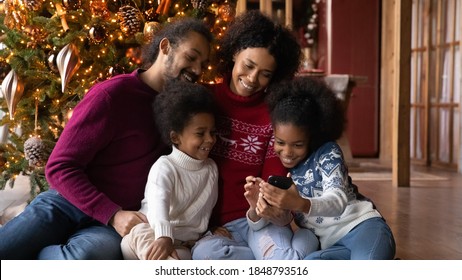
{"x": 243, "y": 142}
{"x": 336, "y": 204}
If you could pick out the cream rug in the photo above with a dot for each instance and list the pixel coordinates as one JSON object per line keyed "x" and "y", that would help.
{"x": 386, "y": 176}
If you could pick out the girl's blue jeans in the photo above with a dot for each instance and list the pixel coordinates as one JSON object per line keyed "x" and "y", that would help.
{"x": 52, "y": 228}
{"x": 270, "y": 242}
{"x": 370, "y": 240}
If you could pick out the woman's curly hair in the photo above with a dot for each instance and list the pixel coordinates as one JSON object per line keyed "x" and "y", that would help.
{"x": 178, "y": 103}
{"x": 252, "y": 29}
{"x": 308, "y": 103}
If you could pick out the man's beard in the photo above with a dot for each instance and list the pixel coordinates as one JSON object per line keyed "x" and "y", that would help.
{"x": 183, "y": 75}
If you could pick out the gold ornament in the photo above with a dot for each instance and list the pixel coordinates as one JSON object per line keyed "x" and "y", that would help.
{"x": 150, "y": 28}
{"x": 100, "y": 8}
{"x": 15, "y": 14}
{"x": 68, "y": 62}
{"x": 12, "y": 89}
{"x": 227, "y": 12}
{"x": 36, "y": 34}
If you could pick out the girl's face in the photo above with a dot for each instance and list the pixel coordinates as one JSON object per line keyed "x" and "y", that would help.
{"x": 290, "y": 144}
{"x": 198, "y": 136}
{"x": 252, "y": 71}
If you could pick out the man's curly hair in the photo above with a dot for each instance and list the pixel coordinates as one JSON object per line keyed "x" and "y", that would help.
{"x": 178, "y": 103}
{"x": 175, "y": 32}
{"x": 252, "y": 29}
{"x": 310, "y": 104}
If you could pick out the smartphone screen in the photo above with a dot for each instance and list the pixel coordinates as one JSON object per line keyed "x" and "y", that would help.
{"x": 281, "y": 182}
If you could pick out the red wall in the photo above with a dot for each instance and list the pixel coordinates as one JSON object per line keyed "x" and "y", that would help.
{"x": 355, "y": 43}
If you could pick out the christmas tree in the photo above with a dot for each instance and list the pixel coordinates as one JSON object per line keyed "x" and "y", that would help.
{"x": 52, "y": 52}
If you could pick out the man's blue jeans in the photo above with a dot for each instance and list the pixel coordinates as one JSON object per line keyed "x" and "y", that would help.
{"x": 52, "y": 228}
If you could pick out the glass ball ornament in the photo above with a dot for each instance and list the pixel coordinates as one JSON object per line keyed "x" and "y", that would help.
{"x": 97, "y": 34}
{"x": 51, "y": 60}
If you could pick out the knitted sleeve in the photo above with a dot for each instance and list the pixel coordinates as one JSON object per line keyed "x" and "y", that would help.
{"x": 331, "y": 172}
{"x": 76, "y": 148}
{"x": 158, "y": 195}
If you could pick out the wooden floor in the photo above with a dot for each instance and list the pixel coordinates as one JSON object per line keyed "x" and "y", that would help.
{"x": 426, "y": 218}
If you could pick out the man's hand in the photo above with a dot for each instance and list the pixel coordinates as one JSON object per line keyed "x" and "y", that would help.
{"x": 124, "y": 221}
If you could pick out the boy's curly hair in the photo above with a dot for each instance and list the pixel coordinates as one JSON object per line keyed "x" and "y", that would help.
{"x": 308, "y": 103}
{"x": 252, "y": 29}
{"x": 178, "y": 103}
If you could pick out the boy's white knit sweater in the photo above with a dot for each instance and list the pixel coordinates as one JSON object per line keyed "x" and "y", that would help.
{"x": 180, "y": 194}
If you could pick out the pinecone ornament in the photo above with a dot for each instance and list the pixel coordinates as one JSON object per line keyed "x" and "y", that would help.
{"x": 130, "y": 19}
{"x": 201, "y": 5}
{"x": 35, "y": 152}
{"x": 34, "y": 5}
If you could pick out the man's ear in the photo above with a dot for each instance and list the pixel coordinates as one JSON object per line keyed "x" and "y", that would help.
{"x": 164, "y": 46}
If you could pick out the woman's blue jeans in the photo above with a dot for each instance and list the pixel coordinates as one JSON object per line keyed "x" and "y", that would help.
{"x": 370, "y": 240}
{"x": 52, "y": 228}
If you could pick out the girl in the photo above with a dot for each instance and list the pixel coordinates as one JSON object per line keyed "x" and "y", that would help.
{"x": 182, "y": 186}
{"x": 254, "y": 53}
{"x": 307, "y": 119}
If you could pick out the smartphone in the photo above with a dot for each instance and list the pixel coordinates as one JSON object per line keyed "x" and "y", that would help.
{"x": 281, "y": 182}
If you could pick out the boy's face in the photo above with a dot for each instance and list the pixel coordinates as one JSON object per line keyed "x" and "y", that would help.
{"x": 187, "y": 60}
{"x": 198, "y": 136}
{"x": 252, "y": 71}
{"x": 290, "y": 144}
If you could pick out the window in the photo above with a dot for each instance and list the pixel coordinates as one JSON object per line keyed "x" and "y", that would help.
{"x": 435, "y": 82}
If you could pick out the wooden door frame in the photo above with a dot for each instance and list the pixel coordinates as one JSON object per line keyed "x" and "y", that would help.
{"x": 395, "y": 85}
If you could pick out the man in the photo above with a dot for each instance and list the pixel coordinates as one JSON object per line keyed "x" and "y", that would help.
{"x": 98, "y": 169}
